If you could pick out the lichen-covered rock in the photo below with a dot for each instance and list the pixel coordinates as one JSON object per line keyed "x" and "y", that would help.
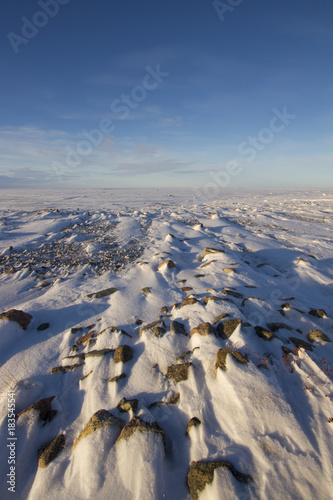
{"x": 212, "y": 297}
{"x": 203, "y": 329}
{"x": 150, "y": 326}
{"x": 145, "y": 290}
{"x": 126, "y": 405}
{"x": 263, "y": 333}
{"x": 178, "y": 373}
{"x": 98, "y": 420}
{"x": 20, "y": 317}
{"x": 43, "y": 406}
{"x": 202, "y": 473}
{"x": 209, "y": 251}
{"x": 227, "y": 328}
{"x": 317, "y": 335}
{"x": 220, "y": 317}
{"x": 194, "y": 422}
{"x": 136, "y": 424}
{"x": 50, "y": 450}
{"x": 221, "y": 358}
{"x": 64, "y": 369}
{"x": 118, "y": 377}
{"x": 123, "y": 354}
{"x": 232, "y": 293}
{"x": 177, "y": 328}
{"x": 167, "y": 264}
{"x": 159, "y": 331}
{"x": 189, "y": 301}
{"x": 82, "y": 340}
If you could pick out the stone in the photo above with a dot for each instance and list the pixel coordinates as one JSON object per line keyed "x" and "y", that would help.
{"x": 43, "y": 406}
{"x": 20, "y": 317}
{"x": 263, "y": 333}
{"x": 118, "y": 377}
{"x": 145, "y": 290}
{"x": 201, "y": 473}
{"x": 91, "y": 354}
{"x": 126, "y": 405}
{"x": 43, "y": 326}
{"x": 98, "y": 420}
{"x": 301, "y": 343}
{"x": 189, "y": 301}
{"x": 82, "y": 340}
{"x": 227, "y": 328}
{"x": 274, "y": 327}
{"x": 208, "y": 263}
{"x": 169, "y": 264}
{"x": 150, "y": 326}
{"x": 194, "y": 422}
{"x": 123, "y": 354}
{"x": 164, "y": 310}
{"x": 159, "y": 331}
{"x": 318, "y": 313}
{"x": 178, "y": 373}
{"x": 187, "y": 288}
{"x": 221, "y": 358}
{"x": 209, "y": 251}
{"x": 102, "y": 293}
{"x": 229, "y": 270}
{"x": 77, "y": 329}
{"x": 212, "y": 297}
{"x": 50, "y": 450}
{"x": 64, "y": 369}
{"x": 177, "y": 328}
{"x": 220, "y": 317}
{"x": 203, "y": 329}
{"x": 317, "y": 335}
{"x": 136, "y": 424}
{"x": 236, "y": 295}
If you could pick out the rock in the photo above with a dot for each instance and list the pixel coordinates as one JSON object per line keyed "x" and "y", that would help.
{"x": 187, "y": 288}
{"x": 136, "y": 424}
{"x": 173, "y": 401}
{"x": 123, "y": 354}
{"x": 20, "y": 317}
{"x": 203, "y": 329}
{"x": 159, "y": 331}
{"x": 274, "y": 327}
{"x": 194, "y": 422}
{"x": 77, "y": 329}
{"x": 229, "y": 270}
{"x": 208, "y": 263}
{"x": 118, "y": 377}
{"x": 164, "y": 310}
{"x": 150, "y": 326}
{"x": 99, "y": 419}
{"x": 318, "y": 313}
{"x": 212, "y": 297}
{"x": 221, "y": 358}
{"x": 82, "y": 340}
{"x": 126, "y": 405}
{"x": 43, "y": 406}
{"x": 202, "y": 473}
{"x": 91, "y": 354}
{"x": 63, "y": 369}
{"x": 220, "y": 317}
{"x": 169, "y": 264}
{"x": 43, "y": 326}
{"x": 237, "y": 295}
{"x": 189, "y": 301}
{"x": 103, "y": 293}
{"x": 178, "y": 373}
{"x": 50, "y": 450}
{"x": 209, "y": 251}
{"x": 177, "y": 328}
{"x": 145, "y": 290}
{"x": 227, "y": 328}
{"x": 263, "y": 333}
{"x": 317, "y": 335}
{"x": 301, "y": 343}
{"x": 286, "y": 350}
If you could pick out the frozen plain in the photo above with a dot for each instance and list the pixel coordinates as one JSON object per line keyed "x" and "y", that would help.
{"x": 270, "y": 267}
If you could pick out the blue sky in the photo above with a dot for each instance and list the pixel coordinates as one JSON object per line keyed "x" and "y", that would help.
{"x": 179, "y": 93}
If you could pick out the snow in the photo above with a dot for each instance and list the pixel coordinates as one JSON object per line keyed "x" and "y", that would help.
{"x": 271, "y": 423}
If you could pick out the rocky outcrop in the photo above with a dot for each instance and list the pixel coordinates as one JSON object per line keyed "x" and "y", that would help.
{"x": 43, "y": 406}
{"x": 136, "y": 424}
{"x": 98, "y": 420}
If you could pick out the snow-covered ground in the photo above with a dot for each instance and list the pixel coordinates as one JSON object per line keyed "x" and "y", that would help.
{"x": 259, "y": 405}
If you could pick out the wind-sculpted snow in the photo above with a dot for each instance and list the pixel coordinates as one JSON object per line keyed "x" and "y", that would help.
{"x": 177, "y": 347}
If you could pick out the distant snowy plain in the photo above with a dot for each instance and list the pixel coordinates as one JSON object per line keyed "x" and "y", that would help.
{"x": 270, "y": 265}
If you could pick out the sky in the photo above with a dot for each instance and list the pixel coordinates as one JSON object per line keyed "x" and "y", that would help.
{"x": 166, "y": 93}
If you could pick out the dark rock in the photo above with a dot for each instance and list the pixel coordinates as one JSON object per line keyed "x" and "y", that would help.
{"x": 263, "y": 333}
{"x": 203, "y": 329}
{"x": 274, "y": 327}
{"x": 286, "y": 350}
{"x": 123, "y": 354}
{"x": 126, "y": 405}
{"x": 221, "y": 358}
{"x": 50, "y": 450}
{"x": 102, "y": 293}
{"x": 317, "y": 335}
{"x": 136, "y": 424}
{"x": 43, "y": 326}
{"x": 187, "y": 288}
{"x": 77, "y": 329}
{"x": 169, "y": 264}
{"x": 318, "y": 313}
{"x": 91, "y": 354}
{"x": 164, "y": 310}
{"x": 189, "y": 301}
{"x": 178, "y": 328}
{"x": 159, "y": 331}
{"x": 301, "y": 343}
{"x": 64, "y": 369}
{"x": 118, "y": 377}
{"x": 202, "y": 473}
{"x": 209, "y": 251}
{"x": 20, "y": 317}
{"x": 199, "y": 275}
{"x": 220, "y": 317}
{"x": 236, "y": 295}
{"x": 178, "y": 373}
{"x": 98, "y": 420}
{"x": 43, "y": 406}
{"x": 145, "y": 290}
{"x": 194, "y": 422}
{"x": 227, "y": 328}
